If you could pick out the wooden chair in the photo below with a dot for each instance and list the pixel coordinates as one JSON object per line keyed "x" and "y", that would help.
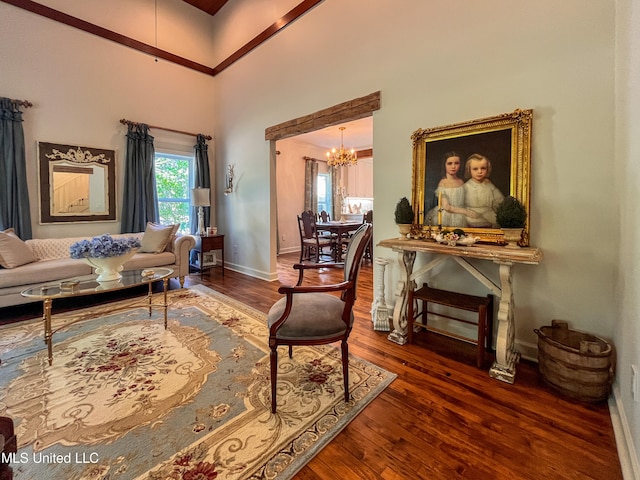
{"x": 324, "y": 216}
{"x": 312, "y": 315}
{"x": 311, "y": 243}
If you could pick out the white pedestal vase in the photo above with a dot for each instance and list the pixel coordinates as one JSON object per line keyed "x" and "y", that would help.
{"x": 108, "y": 268}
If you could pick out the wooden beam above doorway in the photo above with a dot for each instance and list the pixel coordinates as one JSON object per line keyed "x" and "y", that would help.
{"x": 343, "y": 112}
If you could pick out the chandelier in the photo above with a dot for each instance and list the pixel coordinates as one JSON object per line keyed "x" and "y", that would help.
{"x": 341, "y": 157}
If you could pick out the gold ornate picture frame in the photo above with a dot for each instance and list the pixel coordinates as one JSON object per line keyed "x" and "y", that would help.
{"x": 505, "y": 140}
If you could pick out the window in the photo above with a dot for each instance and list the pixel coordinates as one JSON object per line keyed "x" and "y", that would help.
{"x": 174, "y": 179}
{"x": 324, "y": 192}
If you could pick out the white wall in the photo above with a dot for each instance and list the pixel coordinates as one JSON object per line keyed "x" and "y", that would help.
{"x": 82, "y": 85}
{"x": 436, "y": 64}
{"x": 627, "y": 281}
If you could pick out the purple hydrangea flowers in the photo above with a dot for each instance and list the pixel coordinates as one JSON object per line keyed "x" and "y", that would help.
{"x": 103, "y": 246}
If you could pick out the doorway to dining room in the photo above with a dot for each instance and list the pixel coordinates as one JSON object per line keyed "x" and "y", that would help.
{"x": 352, "y": 110}
{"x": 321, "y": 188}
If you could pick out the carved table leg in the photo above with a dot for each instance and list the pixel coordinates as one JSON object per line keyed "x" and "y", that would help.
{"x": 379, "y": 309}
{"x": 399, "y": 333}
{"x": 504, "y": 368}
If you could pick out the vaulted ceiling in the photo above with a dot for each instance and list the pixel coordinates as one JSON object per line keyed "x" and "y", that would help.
{"x": 211, "y": 7}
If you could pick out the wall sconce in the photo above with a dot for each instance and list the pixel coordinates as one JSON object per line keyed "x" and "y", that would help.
{"x": 229, "y": 180}
{"x": 200, "y": 197}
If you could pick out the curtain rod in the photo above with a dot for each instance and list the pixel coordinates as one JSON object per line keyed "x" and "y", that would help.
{"x": 21, "y": 103}
{"x": 129, "y": 122}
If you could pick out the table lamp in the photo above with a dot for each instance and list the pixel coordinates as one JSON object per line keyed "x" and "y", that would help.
{"x": 200, "y": 199}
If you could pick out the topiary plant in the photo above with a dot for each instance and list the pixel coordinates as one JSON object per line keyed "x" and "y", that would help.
{"x": 511, "y": 213}
{"x": 404, "y": 212}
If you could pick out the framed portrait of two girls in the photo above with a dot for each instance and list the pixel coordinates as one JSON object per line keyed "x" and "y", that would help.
{"x": 463, "y": 171}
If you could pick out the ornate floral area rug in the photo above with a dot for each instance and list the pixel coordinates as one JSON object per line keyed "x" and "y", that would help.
{"x": 127, "y": 399}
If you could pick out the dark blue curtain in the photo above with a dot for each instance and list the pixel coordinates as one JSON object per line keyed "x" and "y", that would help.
{"x": 140, "y": 199}
{"x": 202, "y": 180}
{"x": 14, "y": 195}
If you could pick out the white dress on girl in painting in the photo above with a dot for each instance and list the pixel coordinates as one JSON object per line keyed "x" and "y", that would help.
{"x": 453, "y": 197}
{"x": 483, "y": 199}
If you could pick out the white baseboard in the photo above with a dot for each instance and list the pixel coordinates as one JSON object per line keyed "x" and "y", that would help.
{"x": 528, "y": 351}
{"x": 286, "y": 250}
{"x": 624, "y": 441}
{"x": 269, "y": 277}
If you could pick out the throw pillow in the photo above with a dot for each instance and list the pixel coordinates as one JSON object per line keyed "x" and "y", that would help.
{"x": 13, "y": 251}
{"x": 156, "y": 237}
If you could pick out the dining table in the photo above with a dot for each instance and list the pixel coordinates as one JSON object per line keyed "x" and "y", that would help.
{"x": 341, "y": 230}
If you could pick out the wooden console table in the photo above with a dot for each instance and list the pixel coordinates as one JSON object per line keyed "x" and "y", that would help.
{"x": 504, "y": 368}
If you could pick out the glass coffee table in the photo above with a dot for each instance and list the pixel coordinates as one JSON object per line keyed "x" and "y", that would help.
{"x": 87, "y": 285}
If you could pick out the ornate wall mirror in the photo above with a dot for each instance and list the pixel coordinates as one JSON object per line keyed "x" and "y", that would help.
{"x": 77, "y": 184}
{"x": 501, "y": 144}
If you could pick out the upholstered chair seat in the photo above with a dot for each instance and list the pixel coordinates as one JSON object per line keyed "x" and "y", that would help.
{"x": 327, "y": 317}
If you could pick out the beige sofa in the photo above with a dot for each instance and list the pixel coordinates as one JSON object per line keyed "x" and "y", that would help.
{"x": 53, "y": 264}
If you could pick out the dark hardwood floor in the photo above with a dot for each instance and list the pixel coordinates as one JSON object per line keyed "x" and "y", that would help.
{"x": 442, "y": 418}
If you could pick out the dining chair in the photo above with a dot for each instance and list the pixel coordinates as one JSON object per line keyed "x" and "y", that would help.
{"x": 311, "y": 243}
{"x": 313, "y": 315}
{"x": 324, "y": 216}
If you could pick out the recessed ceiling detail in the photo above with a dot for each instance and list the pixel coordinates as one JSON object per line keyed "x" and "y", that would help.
{"x": 209, "y": 6}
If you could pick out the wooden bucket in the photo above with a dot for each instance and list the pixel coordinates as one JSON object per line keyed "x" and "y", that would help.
{"x": 575, "y": 364}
